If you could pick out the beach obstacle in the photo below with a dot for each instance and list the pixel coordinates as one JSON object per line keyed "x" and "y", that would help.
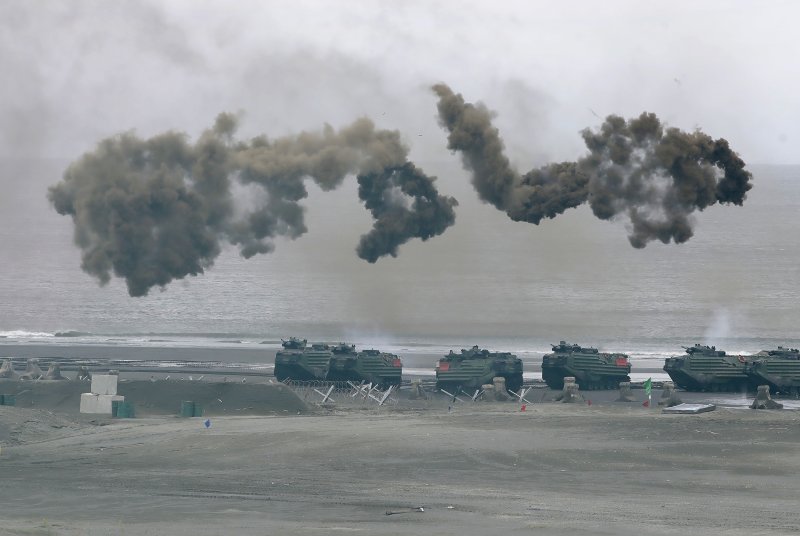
{"x": 485, "y": 393}
{"x": 417, "y": 391}
{"x": 7, "y": 370}
{"x": 369, "y": 392}
{"x": 357, "y": 390}
{"x": 364, "y": 390}
{"x": 570, "y": 393}
{"x": 625, "y": 393}
{"x": 54, "y": 373}
{"x": 326, "y": 396}
{"x": 103, "y": 395}
{"x": 500, "y": 391}
{"x": 454, "y": 396}
{"x": 384, "y": 396}
{"x": 492, "y": 392}
{"x": 83, "y": 374}
{"x": 32, "y": 370}
{"x": 521, "y": 394}
{"x": 669, "y": 397}
{"x": 764, "y": 400}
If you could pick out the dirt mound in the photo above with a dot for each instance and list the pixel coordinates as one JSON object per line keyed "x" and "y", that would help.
{"x": 23, "y": 425}
{"x": 163, "y": 397}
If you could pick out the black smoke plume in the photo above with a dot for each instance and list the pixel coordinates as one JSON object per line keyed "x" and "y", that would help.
{"x": 405, "y": 204}
{"x": 656, "y": 177}
{"x": 154, "y": 210}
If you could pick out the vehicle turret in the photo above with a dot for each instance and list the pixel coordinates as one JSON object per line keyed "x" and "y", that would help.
{"x": 293, "y": 343}
{"x": 698, "y": 349}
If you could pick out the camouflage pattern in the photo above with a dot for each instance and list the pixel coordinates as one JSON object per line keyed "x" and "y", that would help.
{"x": 704, "y": 368}
{"x": 591, "y": 369}
{"x": 470, "y": 369}
{"x": 322, "y": 362}
{"x": 779, "y": 369}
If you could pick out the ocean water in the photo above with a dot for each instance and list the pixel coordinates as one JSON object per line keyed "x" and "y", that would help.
{"x": 486, "y": 281}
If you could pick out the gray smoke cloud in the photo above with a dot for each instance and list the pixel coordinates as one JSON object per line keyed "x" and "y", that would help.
{"x": 655, "y": 176}
{"x": 154, "y": 210}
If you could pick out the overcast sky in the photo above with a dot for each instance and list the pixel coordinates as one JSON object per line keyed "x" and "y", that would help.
{"x": 75, "y": 72}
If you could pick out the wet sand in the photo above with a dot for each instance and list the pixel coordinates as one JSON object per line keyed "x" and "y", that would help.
{"x": 233, "y": 353}
{"x": 609, "y": 468}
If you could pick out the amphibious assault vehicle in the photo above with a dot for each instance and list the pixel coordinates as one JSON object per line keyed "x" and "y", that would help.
{"x": 704, "y": 368}
{"x": 472, "y": 368}
{"x": 323, "y": 362}
{"x": 591, "y": 368}
{"x": 780, "y": 369}
{"x": 372, "y": 366}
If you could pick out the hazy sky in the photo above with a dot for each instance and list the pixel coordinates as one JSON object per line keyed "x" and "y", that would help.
{"x": 77, "y": 71}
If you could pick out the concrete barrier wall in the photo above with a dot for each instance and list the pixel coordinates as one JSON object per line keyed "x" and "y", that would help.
{"x": 98, "y": 404}
{"x": 104, "y": 384}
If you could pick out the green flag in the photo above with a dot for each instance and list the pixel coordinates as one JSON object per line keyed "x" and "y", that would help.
{"x": 648, "y": 386}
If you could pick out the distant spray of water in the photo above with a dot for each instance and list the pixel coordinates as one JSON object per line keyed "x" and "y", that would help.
{"x": 154, "y": 210}
{"x": 719, "y": 329}
{"x": 655, "y": 177}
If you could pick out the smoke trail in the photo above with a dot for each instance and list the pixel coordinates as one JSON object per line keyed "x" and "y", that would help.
{"x": 655, "y": 177}
{"x": 387, "y": 194}
{"x": 151, "y": 211}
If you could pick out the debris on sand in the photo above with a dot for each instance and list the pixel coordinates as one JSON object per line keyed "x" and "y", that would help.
{"x": 406, "y": 511}
{"x": 689, "y": 409}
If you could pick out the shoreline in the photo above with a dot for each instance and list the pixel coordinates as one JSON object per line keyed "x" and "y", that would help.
{"x": 244, "y": 355}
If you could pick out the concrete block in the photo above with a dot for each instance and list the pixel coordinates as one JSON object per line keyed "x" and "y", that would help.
{"x": 764, "y": 399}
{"x": 500, "y": 390}
{"x": 98, "y": 404}
{"x": 625, "y": 393}
{"x": 570, "y": 394}
{"x": 104, "y": 384}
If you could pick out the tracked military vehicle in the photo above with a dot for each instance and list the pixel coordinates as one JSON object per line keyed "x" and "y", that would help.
{"x": 469, "y": 369}
{"x": 780, "y": 369}
{"x": 299, "y": 361}
{"x": 371, "y": 366}
{"x": 323, "y": 362}
{"x": 591, "y": 368}
{"x": 704, "y": 368}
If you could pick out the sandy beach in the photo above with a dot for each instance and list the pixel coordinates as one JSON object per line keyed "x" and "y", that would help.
{"x": 608, "y": 468}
